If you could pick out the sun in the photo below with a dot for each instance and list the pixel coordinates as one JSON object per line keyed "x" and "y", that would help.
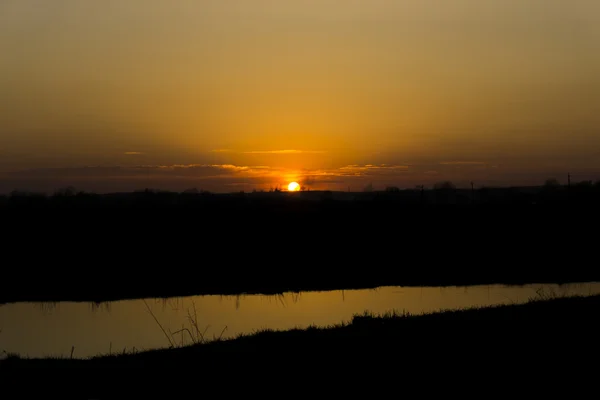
{"x": 293, "y": 187}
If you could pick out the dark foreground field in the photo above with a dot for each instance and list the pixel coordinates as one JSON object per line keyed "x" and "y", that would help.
{"x": 560, "y": 336}
{"x": 99, "y": 248}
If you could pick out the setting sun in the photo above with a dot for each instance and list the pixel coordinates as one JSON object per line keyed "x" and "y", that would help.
{"x": 293, "y": 187}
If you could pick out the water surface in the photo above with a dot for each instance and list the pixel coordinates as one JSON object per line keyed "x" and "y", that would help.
{"x": 37, "y": 330}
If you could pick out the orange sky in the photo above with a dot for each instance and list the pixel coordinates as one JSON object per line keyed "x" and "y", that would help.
{"x": 234, "y": 95}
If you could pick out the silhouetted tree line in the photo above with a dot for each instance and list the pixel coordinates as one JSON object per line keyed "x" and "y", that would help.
{"x": 240, "y": 242}
{"x": 552, "y": 192}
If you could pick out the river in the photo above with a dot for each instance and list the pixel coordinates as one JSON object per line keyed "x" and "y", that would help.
{"x": 87, "y": 329}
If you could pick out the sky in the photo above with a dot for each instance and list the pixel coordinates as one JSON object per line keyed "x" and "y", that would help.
{"x": 230, "y": 95}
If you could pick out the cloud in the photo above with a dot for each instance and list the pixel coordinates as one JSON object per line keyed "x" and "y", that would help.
{"x": 183, "y": 170}
{"x": 280, "y": 152}
{"x": 462, "y": 163}
{"x": 133, "y": 153}
{"x": 370, "y": 169}
{"x": 202, "y": 170}
{"x": 284, "y": 152}
{"x": 350, "y": 174}
{"x": 178, "y": 177}
{"x": 214, "y": 177}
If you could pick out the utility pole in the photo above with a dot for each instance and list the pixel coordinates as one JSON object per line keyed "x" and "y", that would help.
{"x": 472, "y": 192}
{"x": 569, "y": 194}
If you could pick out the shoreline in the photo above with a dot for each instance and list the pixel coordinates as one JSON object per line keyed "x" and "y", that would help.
{"x": 220, "y": 291}
{"x": 546, "y": 345}
{"x": 513, "y": 327}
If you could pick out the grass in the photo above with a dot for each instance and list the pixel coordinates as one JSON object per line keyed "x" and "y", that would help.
{"x": 193, "y": 332}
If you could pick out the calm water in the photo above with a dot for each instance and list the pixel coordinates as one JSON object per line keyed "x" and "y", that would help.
{"x": 36, "y": 330}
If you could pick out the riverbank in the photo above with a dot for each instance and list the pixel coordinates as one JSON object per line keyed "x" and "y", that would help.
{"x": 495, "y": 330}
{"x": 513, "y": 346}
{"x": 256, "y": 286}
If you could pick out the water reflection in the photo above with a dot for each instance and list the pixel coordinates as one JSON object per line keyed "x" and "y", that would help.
{"x": 47, "y": 329}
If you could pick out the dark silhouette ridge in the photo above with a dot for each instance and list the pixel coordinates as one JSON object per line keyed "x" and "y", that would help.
{"x": 89, "y": 247}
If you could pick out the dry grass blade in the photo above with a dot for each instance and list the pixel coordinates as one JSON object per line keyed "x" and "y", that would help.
{"x": 222, "y": 332}
{"x": 159, "y": 324}
{"x": 181, "y": 331}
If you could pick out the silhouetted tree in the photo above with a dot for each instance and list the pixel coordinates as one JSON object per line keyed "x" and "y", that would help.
{"x": 551, "y": 183}
{"x": 583, "y": 185}
{"x": 445, "y": 192}
{"x": 444, "y": 185}
{"x": 66, "y": 191}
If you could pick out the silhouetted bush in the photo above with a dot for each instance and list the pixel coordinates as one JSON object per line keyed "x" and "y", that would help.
{"x": 551, "y": 184}
{"x": 444, "y": 185}
{"x": 445, "y": 192}
{"x": 65, "y": 192}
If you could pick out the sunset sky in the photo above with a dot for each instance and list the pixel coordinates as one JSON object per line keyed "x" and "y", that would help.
{"x": 230, "y": 95}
